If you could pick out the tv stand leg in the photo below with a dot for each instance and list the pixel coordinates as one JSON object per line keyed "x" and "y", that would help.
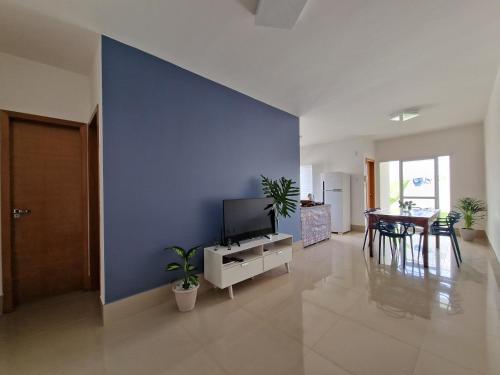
{"x": 287, "y": 267}
{"x": 230, "y": 290}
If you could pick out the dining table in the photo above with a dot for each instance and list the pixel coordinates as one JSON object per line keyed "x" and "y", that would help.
{"x": 420, "y": 217}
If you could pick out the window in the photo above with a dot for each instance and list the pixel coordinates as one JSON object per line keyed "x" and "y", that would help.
{"x": 426, "y": 182}
{"x": 444, "y": 184}
{"x": 418, "y": 182}
{"x": 306, "y": 181}
{"x": 389, "y": 184}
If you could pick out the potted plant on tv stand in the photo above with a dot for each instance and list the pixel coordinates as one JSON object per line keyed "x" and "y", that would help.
{"x": 282, "y": 192}
{"x": 472, "y": 210}
{"x": 186, "y": 289}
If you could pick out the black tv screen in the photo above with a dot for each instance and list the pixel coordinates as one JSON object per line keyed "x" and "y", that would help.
{"x": 247, "y": 218}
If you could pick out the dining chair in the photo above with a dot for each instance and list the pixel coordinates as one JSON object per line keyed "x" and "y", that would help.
{"x": 445, "y": 226}
{"x": 373, "y": 226}
{"x": 395, "y": 231}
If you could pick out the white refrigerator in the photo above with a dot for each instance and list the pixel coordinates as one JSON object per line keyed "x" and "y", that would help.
{"x": 336, "y": 188}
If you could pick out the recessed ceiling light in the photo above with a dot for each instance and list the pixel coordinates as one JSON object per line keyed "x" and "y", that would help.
{"x": 405, "y": 115}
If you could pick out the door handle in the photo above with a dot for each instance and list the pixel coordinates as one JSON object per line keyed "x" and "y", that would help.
{"x": 18, "y": 212}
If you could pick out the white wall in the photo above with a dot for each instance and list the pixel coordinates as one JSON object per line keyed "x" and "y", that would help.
{"x": 346, "y": 156}
{"x": 31, "y": 87}
{"x": 492, "y": 158}
{"x": 464, "y": 144}
{"x": 96, "y": 100}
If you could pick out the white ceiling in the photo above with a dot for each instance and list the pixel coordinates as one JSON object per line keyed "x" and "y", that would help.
{"x": 343, "y": 68}
{"x": 278, "y": 13}
{"x": 38, "y": 37}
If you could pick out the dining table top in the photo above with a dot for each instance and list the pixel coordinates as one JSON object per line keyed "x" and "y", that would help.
{"x": 423, "y": 213}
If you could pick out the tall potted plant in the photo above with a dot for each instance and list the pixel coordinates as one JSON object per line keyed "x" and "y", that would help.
{"x": 472, "y": 210}
{"x": 186, "y": 289}
{"x": 282, "y": 192}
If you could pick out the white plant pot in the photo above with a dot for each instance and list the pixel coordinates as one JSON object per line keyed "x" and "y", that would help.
{"x": 185, "y": 298}
{"x": 467, "y": 234}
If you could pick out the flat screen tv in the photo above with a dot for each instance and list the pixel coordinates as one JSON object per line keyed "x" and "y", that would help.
{"x": 247, "y": 218}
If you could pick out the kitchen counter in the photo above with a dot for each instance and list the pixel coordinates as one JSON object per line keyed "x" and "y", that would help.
{"x": 316, "y": 223}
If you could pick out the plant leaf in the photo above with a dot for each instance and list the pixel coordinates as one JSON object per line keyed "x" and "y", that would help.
{"x": 193, "y": 279}
{"x": 173, "y": 266}
{"x": 192, "y": 252}
{"x": 472, "y": 210}
{"x": 178, "y": 250}
{"x": 282, "y": 191}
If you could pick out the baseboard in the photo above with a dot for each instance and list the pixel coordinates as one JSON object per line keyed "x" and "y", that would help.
{"x": 1, "y": 304}
{"x": 123, "y": 308}
{"x": 481, "y": 233}
{"x": 357, "y": 228}
{"x": 114, "y": 311}
{"x": 298, "y": 245}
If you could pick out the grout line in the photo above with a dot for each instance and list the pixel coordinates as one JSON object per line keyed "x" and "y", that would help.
{"x": 452, "y": 362}
{"x": 380, "y": 332}
{"x": 332, "y": 361}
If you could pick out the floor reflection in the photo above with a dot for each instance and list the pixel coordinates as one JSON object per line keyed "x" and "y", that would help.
{"x": 413, "y": 290}
{"x": 335, "y": 304}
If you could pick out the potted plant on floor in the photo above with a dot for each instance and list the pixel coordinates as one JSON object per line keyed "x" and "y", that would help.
{"x": 187, "y": 288}
{"x": 472, "y": 210}
{"x": 281, "y": 191}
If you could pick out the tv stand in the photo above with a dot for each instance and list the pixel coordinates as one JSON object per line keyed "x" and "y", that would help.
{"x": 259, "y": 255}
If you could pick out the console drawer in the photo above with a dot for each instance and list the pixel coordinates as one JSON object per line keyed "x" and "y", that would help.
{"x": 241, "y": 271}
{"x": 277, "y": 258}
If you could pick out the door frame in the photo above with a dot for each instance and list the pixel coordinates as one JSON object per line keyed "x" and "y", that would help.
{"x": 370, "y": 183}
{"x": 435, "y": 159}
{"x": 6, "y": 118}
{"x": 94, "y": 259}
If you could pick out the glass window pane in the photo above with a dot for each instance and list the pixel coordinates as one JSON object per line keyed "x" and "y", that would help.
{"x": 418, "y": 178}
{"x": 424, "y": 203}
{"x": 389, "y": 184}
{"x": 444, "y": 184}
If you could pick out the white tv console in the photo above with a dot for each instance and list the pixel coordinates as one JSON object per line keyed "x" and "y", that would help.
{"x": 259, "y": 255}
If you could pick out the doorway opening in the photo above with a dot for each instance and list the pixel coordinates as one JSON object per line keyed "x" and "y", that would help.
{"x": 306, "y": 181}
{"x": 370, "y": 183}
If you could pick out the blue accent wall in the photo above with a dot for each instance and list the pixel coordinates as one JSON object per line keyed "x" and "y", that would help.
{"x": 174, "y": 146}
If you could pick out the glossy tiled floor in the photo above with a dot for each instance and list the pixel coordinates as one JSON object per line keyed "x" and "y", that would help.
{"x": 336, "y": 313}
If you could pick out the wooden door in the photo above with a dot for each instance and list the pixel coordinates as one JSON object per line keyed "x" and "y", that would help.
{"x": 46, "y": 178}
{"x": 370, "y": 183}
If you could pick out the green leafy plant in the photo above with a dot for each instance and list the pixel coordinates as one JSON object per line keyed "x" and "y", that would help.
{"x": 472, "y": 210}
{"x": 406, "y": 205}
{"x": 189, "y": 279}
{"x": 282, "y": 192}
{"x": 394, "y": 191}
